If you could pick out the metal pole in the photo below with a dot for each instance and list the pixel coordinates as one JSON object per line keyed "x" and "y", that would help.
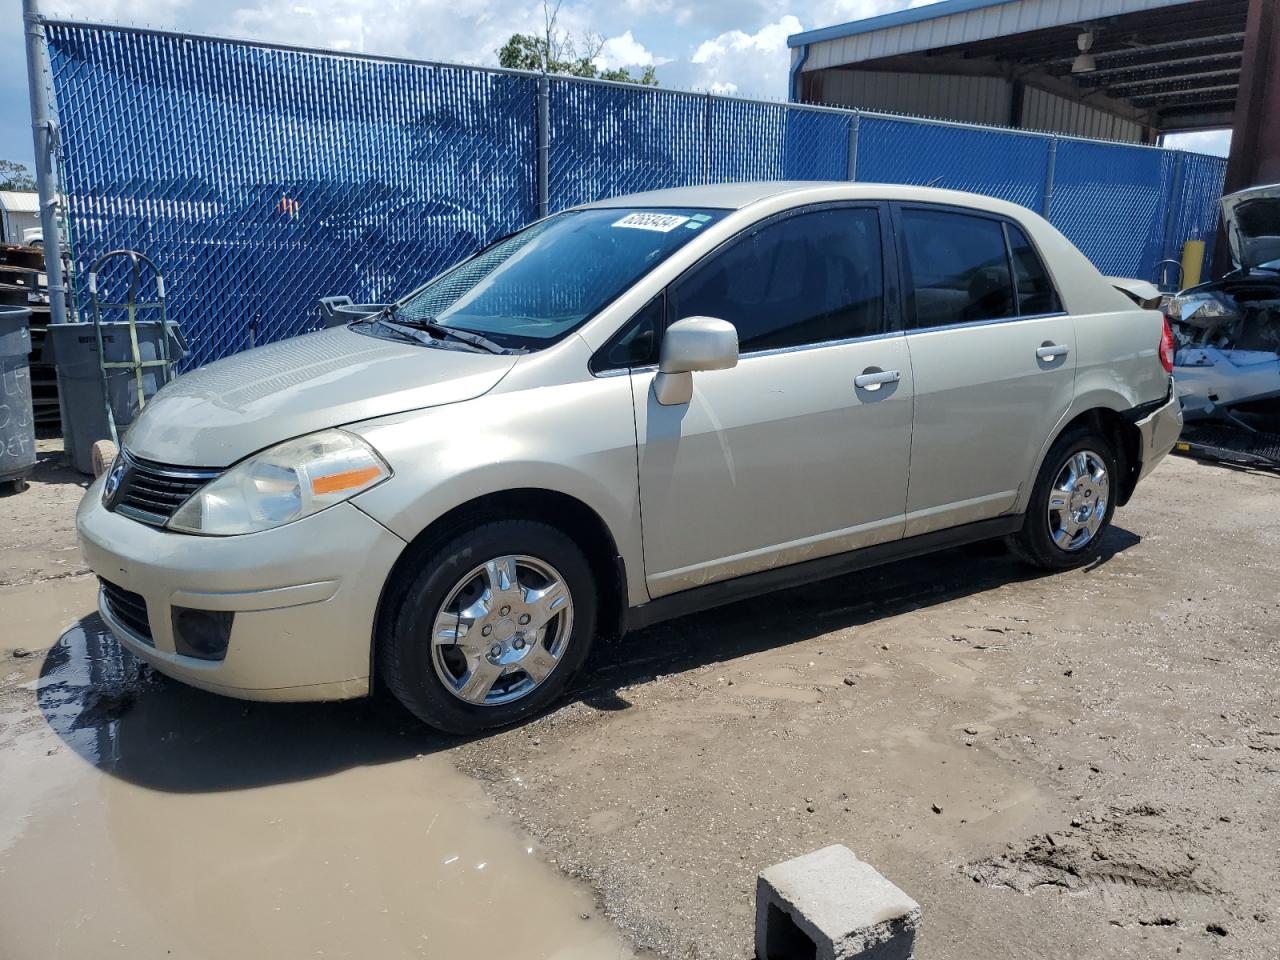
{"x": 853, "y": 147}
{"x": 46, "y": 169}
{"x": 1048, "y": 179}
{"x": 1173, "y": 204}
{"x": 706, "y": 140}
{"x": 544, "y": 146}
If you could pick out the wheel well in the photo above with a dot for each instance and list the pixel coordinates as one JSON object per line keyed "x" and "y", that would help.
{"x": 1125, "y": 440}
{"x": 567, "y": 514}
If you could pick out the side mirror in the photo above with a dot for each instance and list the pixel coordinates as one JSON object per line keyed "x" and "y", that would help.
{"x": 694, "y": 343}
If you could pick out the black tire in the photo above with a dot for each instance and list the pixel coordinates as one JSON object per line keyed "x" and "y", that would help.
{"x": 1034, "y": 543}
{"x": 405, "y": 660}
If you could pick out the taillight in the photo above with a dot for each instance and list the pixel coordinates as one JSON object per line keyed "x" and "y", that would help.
{"x": 1166, "y": 347}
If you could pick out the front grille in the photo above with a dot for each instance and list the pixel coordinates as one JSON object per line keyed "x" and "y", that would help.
{"x": 127, "y": 607}
{"x": 153, "y": 492}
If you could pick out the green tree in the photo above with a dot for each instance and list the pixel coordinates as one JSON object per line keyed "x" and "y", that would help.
{"x": 15, "y": 176}
{"x": 555, "y": 51}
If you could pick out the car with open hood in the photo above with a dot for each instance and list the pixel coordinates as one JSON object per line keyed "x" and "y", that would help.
{"x": 625, "y": 412}
{"x": 1227, "y": 333}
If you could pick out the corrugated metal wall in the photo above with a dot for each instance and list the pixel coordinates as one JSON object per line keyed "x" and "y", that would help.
{"x": 967, "y": 26}
{"x": 970, "y": 99}
{"x": 986, "y": 100}
{"x": 1042, "y": 110}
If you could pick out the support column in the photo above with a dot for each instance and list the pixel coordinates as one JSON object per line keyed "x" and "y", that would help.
{"x": 543, "y": 157}
{"x": 42, "y": 131}
{"x": 1255, "y": 137}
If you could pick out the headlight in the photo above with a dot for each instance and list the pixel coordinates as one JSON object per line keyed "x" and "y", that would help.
{"x": 1201, "y": 307}
{"x": 114, "y": 474}
{"x": 285, "y": 483}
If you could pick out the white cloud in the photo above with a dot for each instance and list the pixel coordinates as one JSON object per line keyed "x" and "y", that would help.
{"x": 626, "y": 51}
{"x": 430, "y": 29}
{"x": 155, "y": 13}
{"x": 771, "y": 38}
{"x": 737, "y": 47}
{"x": 755, "y": 63}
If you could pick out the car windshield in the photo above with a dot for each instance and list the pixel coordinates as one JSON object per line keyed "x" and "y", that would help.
{"x": 532, "y": 288}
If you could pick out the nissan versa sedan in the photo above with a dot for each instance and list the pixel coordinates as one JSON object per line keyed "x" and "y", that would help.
{"x": 625, "y": 412}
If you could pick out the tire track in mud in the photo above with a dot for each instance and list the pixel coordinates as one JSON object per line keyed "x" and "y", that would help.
{"x": 1139, "y": 860}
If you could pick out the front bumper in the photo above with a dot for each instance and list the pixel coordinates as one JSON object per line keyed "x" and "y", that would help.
{"x": 304, "y": 596}
{"x": 1159, "y": 431}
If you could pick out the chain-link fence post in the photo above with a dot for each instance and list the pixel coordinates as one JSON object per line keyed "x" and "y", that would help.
{"x": 1172, "y": 203}
{"x": 853, "y": 145}
{"x": 43, "y": 134}
{"x": 1046, "y": 210}
{"x": 706, "y": 140}
{"x": 543, "y": 160}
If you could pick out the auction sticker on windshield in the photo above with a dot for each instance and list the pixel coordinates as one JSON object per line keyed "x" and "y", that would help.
{"x": 661, "y": 222}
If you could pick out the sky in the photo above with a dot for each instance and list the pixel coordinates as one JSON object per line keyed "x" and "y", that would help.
{"x": 725, "y": 46}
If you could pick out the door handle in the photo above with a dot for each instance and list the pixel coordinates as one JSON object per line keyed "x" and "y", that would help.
{"x": 872, "y": 378}
{"x": 1051, "y": 351}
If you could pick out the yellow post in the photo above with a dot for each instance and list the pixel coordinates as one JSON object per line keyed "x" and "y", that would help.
{"x": 1192, "y": 260}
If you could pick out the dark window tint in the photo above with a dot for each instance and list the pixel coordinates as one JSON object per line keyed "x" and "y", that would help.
{"x": 959, "y": 268}
{"x": 636, "y": 344}
{"x": 1035, "y": 289}
{"x": 803, "y": 279}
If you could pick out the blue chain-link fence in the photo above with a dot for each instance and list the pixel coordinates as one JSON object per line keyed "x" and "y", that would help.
{"x": 260, "y": 178}
{"x": 1008, "y": 165}
{"x": 1110, "y": 200}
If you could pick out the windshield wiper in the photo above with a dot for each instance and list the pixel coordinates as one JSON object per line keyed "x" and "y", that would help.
{"x": 387, "y": 315}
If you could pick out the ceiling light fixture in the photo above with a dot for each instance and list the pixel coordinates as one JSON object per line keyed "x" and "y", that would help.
{"x": 1084, "y": 63}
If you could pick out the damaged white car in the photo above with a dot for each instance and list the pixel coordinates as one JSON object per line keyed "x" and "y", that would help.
{"x": 1227, "y": 336}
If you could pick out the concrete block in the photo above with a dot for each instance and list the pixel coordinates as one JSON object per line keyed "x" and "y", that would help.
{"x": 829, "y": 905}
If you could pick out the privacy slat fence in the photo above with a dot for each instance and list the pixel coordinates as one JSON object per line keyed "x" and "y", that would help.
{"x": 261, "y": 178}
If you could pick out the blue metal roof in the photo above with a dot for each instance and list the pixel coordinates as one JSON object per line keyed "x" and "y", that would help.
{"x": 931, "y": 11}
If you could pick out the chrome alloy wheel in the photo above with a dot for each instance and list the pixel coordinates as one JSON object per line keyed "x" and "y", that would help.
{"x": 501, "y": 630}
{"x": 1078, "y": 500}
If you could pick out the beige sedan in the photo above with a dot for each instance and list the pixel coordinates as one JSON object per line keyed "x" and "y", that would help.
{"x": 625, "y": 412}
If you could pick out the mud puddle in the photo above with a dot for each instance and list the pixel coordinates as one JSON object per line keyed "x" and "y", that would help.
{"x": 143, "y": 818}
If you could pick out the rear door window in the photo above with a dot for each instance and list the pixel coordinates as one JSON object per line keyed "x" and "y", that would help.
{"x": 958, "y": 268}
{"x": 804, "y": 279}
{"x": 1036, "y": 294}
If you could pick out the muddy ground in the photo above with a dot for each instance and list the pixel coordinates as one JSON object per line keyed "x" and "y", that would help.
{"x": 140, "y": 818}
{"x": 1085, "y": 765}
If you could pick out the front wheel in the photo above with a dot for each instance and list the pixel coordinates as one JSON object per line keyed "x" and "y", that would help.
{"x": 1071, "y": 503}
{"x": 491, "y": 628}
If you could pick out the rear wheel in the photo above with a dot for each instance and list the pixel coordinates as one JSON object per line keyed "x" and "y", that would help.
{"x": 1071, "y": 503}
{"x": 491, "y": 628}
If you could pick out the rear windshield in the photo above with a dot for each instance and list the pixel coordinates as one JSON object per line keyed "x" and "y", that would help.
{"x": 534, "y": 287}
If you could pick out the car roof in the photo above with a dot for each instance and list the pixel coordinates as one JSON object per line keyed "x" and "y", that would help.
{"x": 735, "y": 196}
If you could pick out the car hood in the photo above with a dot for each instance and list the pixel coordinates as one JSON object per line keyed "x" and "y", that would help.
{"x": 231, "y": 408}
{"x": 1252, "y": 221}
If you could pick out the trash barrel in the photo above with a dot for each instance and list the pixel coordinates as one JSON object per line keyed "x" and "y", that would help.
{"x": 17, "y": 421}
{"x": 339, "y": 311}
{"x": 73, "y": 348}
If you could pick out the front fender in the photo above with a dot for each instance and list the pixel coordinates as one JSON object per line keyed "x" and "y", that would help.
{"x": 577, "y": 439}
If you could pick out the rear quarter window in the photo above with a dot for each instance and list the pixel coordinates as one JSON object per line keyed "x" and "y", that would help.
{"x": 1036, "y": 293}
